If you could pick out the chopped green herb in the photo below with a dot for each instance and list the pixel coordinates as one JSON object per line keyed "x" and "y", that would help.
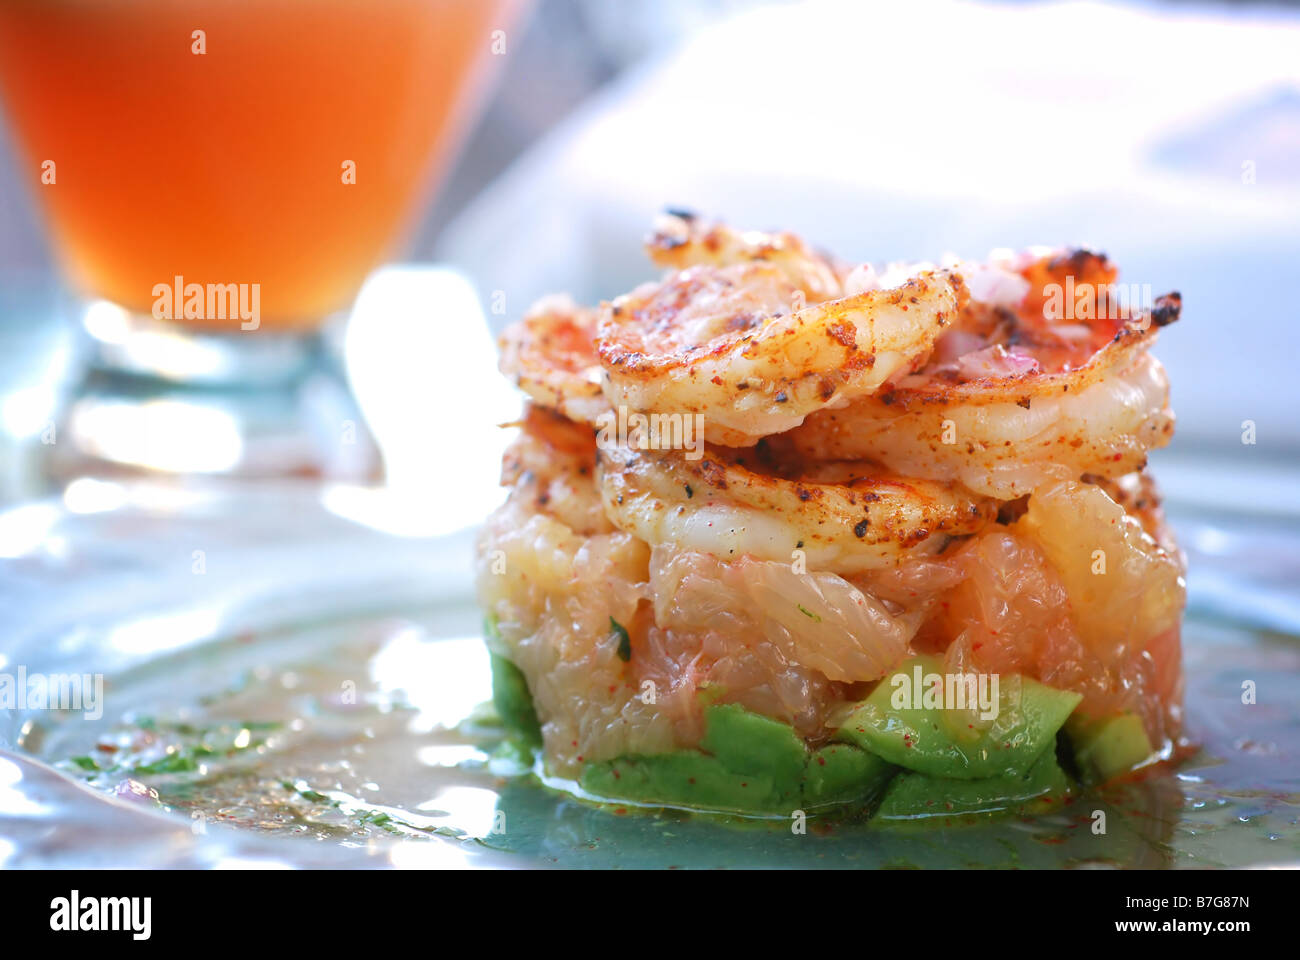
{"x": 624, "y": 641}
{"x": 306, "y": 792}
{"x": 172, "y": 763}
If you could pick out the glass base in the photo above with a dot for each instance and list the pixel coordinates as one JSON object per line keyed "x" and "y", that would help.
{"x": 163, "y": 399}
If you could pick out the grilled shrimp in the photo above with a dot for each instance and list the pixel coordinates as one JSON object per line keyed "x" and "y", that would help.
{"x": 843, "y": 517}
{"x": 1012, "y": 399}
{"x": 550, "y": 467}
{"x": 1004, "y": 440}
{"x": 682, "y": 240}
{"x": 738, "y": 345}
{"x": 550, "y": 354}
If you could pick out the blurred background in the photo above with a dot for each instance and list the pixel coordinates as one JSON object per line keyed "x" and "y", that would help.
{"x": 1166, "y": 134}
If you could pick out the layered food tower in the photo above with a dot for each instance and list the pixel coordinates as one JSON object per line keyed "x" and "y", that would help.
{"x": 789, "y": 534}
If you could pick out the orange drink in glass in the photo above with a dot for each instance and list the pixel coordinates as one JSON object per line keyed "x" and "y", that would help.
{"x": 274, "y": 151}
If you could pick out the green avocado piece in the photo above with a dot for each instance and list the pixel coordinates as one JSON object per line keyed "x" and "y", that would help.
{"x": 913, "y": 796}
{"x": 840, "y": 773}
{"x": 942, "y": 743}
{"x": 513, "y": 701}
{"x": 748, "y": 742}
{"x": 1109, "y": 746}
{"x": 748, "y": 764}
{"x": 686, "y": 778}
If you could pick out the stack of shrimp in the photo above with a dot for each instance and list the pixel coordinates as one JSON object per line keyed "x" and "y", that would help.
{"x": 915, "y": 458}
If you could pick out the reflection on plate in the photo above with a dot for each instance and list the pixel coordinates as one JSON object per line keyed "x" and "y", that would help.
{"x": 313, "y": 698}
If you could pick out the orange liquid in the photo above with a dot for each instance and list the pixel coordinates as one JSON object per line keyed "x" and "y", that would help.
{"x": 228, "y": 166}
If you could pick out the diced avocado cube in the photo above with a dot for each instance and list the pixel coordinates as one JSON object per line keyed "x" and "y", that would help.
{"x": 748, "y": 742}
{"x": 513, "y": 701}
{"x": 840, "y": 773}
{"x": 913, "y": 796}
{"x": 682, "y": 778}
{"x": 898, "y": 723}
{"x": 1109, "y": 746}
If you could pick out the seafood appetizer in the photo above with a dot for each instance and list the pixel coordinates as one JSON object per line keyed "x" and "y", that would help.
{"x": 786, "y": 534}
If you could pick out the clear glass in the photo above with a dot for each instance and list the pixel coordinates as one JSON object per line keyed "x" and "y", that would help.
{"x": 218, "y": 180}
